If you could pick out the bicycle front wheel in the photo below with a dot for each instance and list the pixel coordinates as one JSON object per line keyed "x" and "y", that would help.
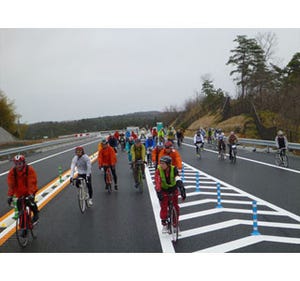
{"x": 140, "y": 180}
{"x": 174, "y": 225}
{"x": 81, "y": 199}
{"x": 23, "y": 229}
{"x": 277, "y": 159}
{"x": 285, "y": 161}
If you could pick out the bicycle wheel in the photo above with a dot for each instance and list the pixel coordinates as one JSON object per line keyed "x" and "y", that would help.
{"x": 284, "y": 161}
{"x": 81, "y": 199}
{"x": 108, "y": 180}
{"x": 23, "y": 228}
{"x": 277, "y": 159}
{"x": 173, "y": 225}
{"x": 140, "y": 180}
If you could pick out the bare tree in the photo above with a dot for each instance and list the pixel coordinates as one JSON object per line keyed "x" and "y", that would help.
{"x": 268, "y": 42}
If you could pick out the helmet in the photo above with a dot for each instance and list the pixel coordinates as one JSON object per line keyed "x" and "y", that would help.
{"x": 137, "y": 140}
{"x": 104, "y": 141}
{"x": 168, "y": 144}
{"x": 198, "y": 133}
{"x": 279, "y": 133}
{"x": 79, "y": 148}
{"x": 160, "y": 145}
{"x": 166, "y": 159}
{"x": 19, "y": 159}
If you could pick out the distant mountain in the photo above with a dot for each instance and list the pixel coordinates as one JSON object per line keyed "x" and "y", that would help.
{"x": 118, "y": 122}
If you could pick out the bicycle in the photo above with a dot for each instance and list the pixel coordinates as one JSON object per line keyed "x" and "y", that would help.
{"x": 233, "y": 153}
{"x": 172, "y": 219}
{"x": 139, "y": 164}
{"x": 108, "y": 179}
{"x": 24, "y": 224}
{"x": 149, "y": 157}
{"x": 199, "y": 149}
{"x": 281, "y": 158}
{"x": 83, "y": 194}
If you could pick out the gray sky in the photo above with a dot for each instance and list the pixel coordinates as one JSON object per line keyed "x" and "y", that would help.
{"x": 68, "y": 74}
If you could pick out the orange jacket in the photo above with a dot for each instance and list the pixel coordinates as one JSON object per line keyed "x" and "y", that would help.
{"x": 107, "y": 156}
{"x": 155, "y": 154}
{"x": 174, "y": 154}
{"x": 20, "y": 184}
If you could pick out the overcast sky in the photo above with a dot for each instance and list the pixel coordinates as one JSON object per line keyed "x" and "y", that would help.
{"x": 67, "y": 74}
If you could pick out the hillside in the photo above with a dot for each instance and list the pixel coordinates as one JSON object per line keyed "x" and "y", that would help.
{"x": 55, "y": 129}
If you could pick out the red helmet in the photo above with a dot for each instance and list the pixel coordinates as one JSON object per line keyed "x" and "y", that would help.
{"x": 19, "y": 159}
{"x": 79, "y": 148}
{"x": 168, "y": 144}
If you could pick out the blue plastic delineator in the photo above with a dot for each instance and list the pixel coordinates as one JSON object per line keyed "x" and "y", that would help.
{"x": 219, "y": 205}
{"x": 255, "y": 226}
{"x": 197, "y": 181}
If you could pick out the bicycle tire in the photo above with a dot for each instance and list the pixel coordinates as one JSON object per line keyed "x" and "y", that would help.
{"x": 140, "y": 180}
{"x": 233, "y": 159}
{"x": 108, "y": 180}
{"x": 277, "y": 159}
{"x": 23, "y": 228}
{"x": 173, "y": 225}
{"x": 81, "y": 199}
{"x": 284, "y": 161}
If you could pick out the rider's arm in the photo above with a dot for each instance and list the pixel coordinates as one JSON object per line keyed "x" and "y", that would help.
{"x": 88, "y": 165}
{"x": 73, "y": 165}
{"x": 286, "y": 142}
{"x": 32, "y": 181}
{"x": 11, "y": 183}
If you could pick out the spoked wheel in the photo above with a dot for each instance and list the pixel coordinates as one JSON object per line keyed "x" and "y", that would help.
{"x": 285, "y": 161}
{"x": 81, "y": 200}
{"x": 23, "y": 232}
{"x": 233, "y": 159}
{"x": 173, "y": 226}
{"x": 109, "y": 188}
{"x": 277, "y": 159}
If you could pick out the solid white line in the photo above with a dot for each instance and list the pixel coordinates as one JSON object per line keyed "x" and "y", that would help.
{"x": 254, "y": 161}
{"x": 165, "y": 241}
{"x": 51, "y": 156}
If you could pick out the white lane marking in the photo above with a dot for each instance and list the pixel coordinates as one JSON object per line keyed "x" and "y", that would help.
{"x": 165, "y": 240}
{"x": 51, "y": 156}
{"x": 247, "y": 241}
{"x": 254, "y": 161}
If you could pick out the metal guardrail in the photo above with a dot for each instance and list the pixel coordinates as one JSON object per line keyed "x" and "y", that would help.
{"x": 16, "y": 150}
{"x": 266, "y": 143}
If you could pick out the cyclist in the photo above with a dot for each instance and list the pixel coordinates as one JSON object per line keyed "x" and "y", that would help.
{"x": 107, "y": 159}
{"x": 161, "y": 135}
{"x": 149, "y": 145}
{"x": 221, "y": 143}
{"x": 155, "y": 153}
{"x": 113, "y": 142}
{"x": 198, "y": 138}
{"x": 22, "y": 181}
{"x": 171, "y": 134}
{"x": 167, "y": 180}
{"x": 281, "y": 141}
{"x": 84, "y": 167}
{"x": 179, "y": 136}
{"x": 138, "y": 152}
{"x": 173, "y": 153}
{"x": 143, "y": 137}
{"x": 129, "y": 143}
{"x": 231, "y": 141}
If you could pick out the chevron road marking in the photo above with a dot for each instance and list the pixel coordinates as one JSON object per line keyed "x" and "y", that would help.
{"x": 204, "y": 179}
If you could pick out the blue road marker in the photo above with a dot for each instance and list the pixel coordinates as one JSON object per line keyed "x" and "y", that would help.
{"x": 219, "y": 205}
{"x": 255, "y": 226}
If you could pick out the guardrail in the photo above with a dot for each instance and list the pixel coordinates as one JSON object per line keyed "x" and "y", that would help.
{"x": 266, "y": 143}
{"x": 21, "y": 149}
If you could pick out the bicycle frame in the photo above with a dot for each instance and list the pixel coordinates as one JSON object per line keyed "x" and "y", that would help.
{"x": 139, "y": 165}
{"x": 108, "y": 179}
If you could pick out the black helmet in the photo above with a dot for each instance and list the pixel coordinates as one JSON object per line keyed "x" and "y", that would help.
{"x": 166, "y": 159}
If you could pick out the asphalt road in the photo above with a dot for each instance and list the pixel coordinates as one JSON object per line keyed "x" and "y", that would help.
{"x": 126, "y": 221}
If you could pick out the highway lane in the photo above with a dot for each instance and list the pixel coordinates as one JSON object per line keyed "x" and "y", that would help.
{"x": 120, "y": 222}
{"x": 124, "y": 220}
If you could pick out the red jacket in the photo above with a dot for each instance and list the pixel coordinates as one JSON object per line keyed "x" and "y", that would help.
{"x": 22, "y": 183}
{"x": 174, "y": 154}
{"x": 107, "y": 156}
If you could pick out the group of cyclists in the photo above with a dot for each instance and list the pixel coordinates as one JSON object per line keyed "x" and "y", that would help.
{"x": 155, "y": 148}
